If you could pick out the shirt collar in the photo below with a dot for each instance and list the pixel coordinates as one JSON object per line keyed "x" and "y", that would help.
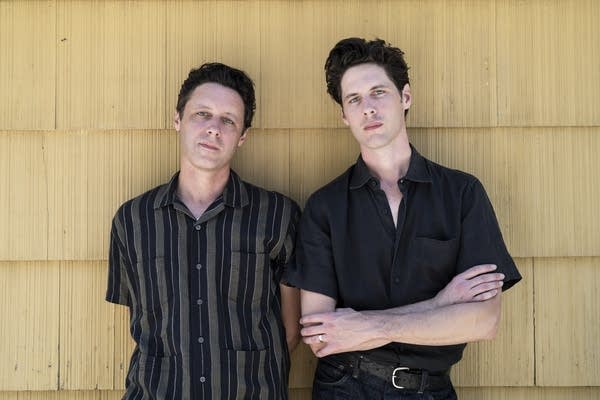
{"x": 418, "y": 170}
{"x": 234, "y": 195}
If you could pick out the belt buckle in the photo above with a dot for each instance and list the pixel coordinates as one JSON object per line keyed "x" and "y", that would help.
{"x": 394, "y": 376}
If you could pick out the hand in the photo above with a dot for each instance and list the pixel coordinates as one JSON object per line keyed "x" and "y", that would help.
{"x": 478, "y": 283}
{"x": 341, "y": 331}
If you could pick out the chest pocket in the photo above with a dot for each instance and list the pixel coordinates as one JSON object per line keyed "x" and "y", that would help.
{"x": 435, "y": 261}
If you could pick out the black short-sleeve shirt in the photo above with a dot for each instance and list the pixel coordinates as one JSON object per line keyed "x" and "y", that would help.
{"x": 348, "y": 247}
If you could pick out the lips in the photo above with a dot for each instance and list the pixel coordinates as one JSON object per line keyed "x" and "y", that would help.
{"x": 372, "y": 125}
{"x": 208, "y": 146}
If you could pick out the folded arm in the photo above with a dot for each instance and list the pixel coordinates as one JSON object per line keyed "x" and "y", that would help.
{"x": 467, "y": 309}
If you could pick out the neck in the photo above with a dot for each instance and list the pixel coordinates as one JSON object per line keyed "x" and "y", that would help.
{"x": 198, "y": 189}
{"x": 390, "y": 163}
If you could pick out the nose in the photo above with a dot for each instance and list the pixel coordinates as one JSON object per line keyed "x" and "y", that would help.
{"x": 214, "y": 130}
{"x": 368, "y": 109}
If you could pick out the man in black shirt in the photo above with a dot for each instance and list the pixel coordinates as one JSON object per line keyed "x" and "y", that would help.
{"x": 395, "y": 256}
{"x": 200, "y": 260}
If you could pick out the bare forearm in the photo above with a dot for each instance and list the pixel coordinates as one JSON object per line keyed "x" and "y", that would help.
{"x": 466, "y": 310}
{"x": 420, "y": 307}
{"x": 290, "y": 315}
{"x": 453, "y": 324}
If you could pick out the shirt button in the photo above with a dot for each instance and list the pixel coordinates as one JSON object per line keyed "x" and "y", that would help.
{"x": 202, "y": 379}
{"x": 396, "y": 280}
{"x": 200, "y": 340}
{"x": 198, "y": 266}
{"x": 199, "y": 302}
{"x": 198, "y": 227}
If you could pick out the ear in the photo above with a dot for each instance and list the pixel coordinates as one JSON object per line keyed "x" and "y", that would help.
{"x": 344, "y": 118}
{"x": 242, "y": 138}
{"x": 406, "y": 97}
{"x": 176, "y": 121}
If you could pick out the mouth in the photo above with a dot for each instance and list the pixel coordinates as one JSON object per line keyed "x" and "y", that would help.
{"x": 208, "y": 146}
{"x": 372, "y": 126}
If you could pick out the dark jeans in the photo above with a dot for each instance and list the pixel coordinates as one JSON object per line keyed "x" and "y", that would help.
{"x": 331, "y": 383}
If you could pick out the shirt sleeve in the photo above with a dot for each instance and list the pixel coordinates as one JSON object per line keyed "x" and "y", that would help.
{"x": 117, "y": 289}
{"x": 481, "y": 241}
{"x": 315, "y": 269}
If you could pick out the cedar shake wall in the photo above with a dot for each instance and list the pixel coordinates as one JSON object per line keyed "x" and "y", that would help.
{"x": 506, "y": 90}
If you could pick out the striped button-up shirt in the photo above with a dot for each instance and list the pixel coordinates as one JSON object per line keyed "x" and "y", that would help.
{"x": 203, "y": 293}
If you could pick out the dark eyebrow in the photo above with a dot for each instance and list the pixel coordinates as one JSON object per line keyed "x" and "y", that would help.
{"x": 349, "y": 95}
{"x": 379, "y": 87}
{"x": 202, "y": 106}
{"x": 382, "y": 86}
{"x": 198, "y": 105}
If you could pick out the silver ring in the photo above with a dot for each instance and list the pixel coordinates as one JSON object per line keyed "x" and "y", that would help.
{"x": 320, "y": 337}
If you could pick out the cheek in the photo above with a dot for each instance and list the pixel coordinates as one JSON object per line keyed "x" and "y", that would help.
{"x": 354, "y": 121}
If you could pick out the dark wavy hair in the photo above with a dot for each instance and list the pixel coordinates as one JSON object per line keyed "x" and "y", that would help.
{"x": 223, "y": 75}
{"x": 355, "y": 51}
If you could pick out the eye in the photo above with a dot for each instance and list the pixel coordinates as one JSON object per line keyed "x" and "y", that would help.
{"x": 378, "y": 92}
{"x": 353, "y": 100}
{"x": 203, "y": 114}
{"x": 228, "y": 121}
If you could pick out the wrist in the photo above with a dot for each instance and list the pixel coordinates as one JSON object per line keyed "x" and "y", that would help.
{"x": 434, "y": 303}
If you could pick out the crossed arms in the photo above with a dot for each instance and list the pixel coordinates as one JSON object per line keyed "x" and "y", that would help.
{"x": 466, "y": 310}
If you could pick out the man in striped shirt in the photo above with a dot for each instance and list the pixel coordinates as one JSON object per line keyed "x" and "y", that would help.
{"x": 199, "y": 261}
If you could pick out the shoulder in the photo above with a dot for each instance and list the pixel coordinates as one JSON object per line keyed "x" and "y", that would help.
{"x": 442, "y": 173}
{"x": 451, "y": 179}
{"x": 333, "y": 192}
{"x": 142, "y": 203}
{"x": 274, "y": 200}
{"x": 459, "y": 188}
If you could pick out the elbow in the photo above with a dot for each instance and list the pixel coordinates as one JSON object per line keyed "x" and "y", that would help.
{"x": 492, "y": 323}
{"x": 492, "y": 329}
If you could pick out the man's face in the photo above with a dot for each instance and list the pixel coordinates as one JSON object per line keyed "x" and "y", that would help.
{"x": 372, "y": 106}
{"x": 210, "y": 129}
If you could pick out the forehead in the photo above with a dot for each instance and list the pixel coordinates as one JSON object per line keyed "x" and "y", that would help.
{"x": 363, "y": 77}
{"x": 218, "y": 97}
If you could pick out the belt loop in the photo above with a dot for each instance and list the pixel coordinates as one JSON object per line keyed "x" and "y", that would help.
{"x": 424, "y": 376}
{"x": 356, "y": 368}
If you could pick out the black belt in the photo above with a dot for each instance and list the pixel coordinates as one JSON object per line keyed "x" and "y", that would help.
{"x": 400, "y": 377}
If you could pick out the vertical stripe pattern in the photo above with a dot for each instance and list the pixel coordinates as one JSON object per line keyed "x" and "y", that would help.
{"x": 204, "y": 294}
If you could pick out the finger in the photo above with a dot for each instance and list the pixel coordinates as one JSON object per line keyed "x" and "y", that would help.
{"x": 484, "y": 278}
{"x": 324, "y": 351}
{"x": 478, "y": 270}
{"x": 486, "y": 295}
{"x": 312, "y": 330}
{"x": 313, "y": 319}
{"x": 315, "y": 348}
{"x": 485, "y": 287}
{"x": 312, "y": 340}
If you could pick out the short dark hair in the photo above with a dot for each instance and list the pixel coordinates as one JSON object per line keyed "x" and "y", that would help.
{"x": 223, "y": 75}
{"x": 355, "y": 51}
